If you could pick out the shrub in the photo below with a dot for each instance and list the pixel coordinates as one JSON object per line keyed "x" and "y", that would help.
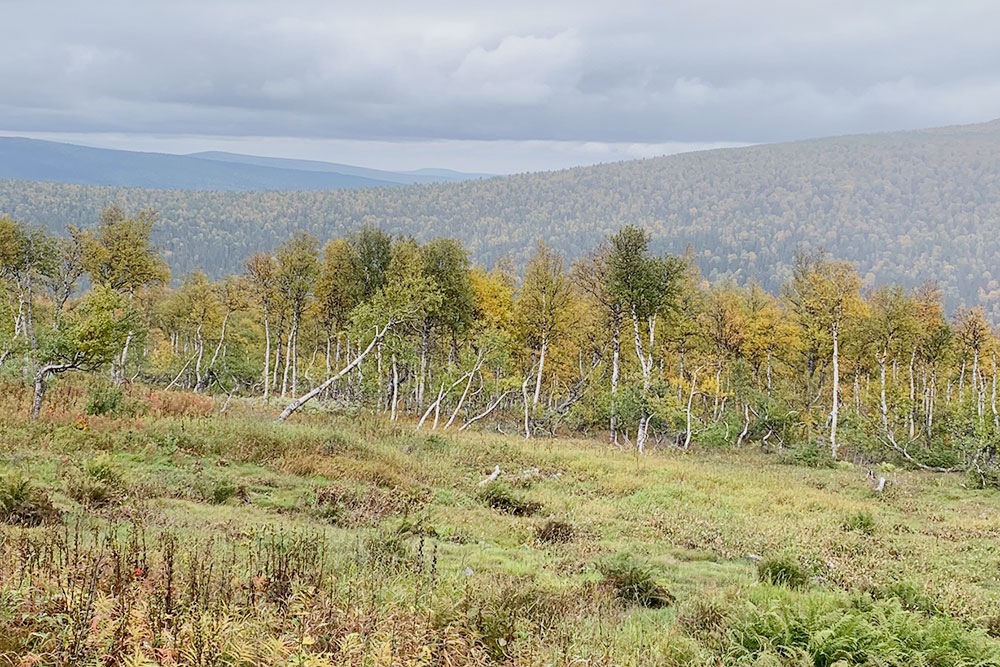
{"x": 24, "y": 504}
{"x": 105, "y": 400}
{"x": 809, "y": 454}
{"x": 553, "y": 531}
{"x": 223, "y": 490}
{"x": 509, "y": 609}
{"x": 910, "y": 597}
{"x": 337, "y": 443}
{"x": 502, "y": 498}
{"x": 387, "y": 548}
{"x": 634, "y": 582}
{"x": 176, "y": 403}
{"x": 703, "y": 617}
{"x": 861, "y": 522}
{"x": 984, "y": 477}
{"x": 782, "y": 571}
{"x": 97, "y": 483}
{"x": 819, "y": 630}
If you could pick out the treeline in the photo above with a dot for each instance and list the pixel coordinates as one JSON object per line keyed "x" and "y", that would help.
{"x": 900, "y": 206}
{"x": 623, "y": 341}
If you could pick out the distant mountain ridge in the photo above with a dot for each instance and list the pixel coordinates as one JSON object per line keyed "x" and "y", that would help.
{"x": 903, "y": 206}
{"x": 428, "y": 175}
{"x": 56, "y": 162}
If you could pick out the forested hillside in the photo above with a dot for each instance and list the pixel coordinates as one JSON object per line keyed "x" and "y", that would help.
{"x": 902, "y": 206}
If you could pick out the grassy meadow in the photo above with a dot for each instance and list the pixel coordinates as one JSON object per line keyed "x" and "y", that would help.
{"x": 169, "y": 528}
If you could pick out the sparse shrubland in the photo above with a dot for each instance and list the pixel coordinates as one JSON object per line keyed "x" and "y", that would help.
{"x": 223, "y": 538}
{"x": 383, "y": 456}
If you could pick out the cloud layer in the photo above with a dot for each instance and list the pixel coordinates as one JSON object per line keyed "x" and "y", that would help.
{"x": 610, "y": 73}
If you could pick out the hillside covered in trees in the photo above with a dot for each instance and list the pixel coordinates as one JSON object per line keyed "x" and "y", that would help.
{"x": 903, "y": 207}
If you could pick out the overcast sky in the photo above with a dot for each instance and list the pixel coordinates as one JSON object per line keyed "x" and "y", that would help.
{"x": 503, "y": 86}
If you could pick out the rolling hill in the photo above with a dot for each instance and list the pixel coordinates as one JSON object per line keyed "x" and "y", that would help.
{"x": 36, "y": 160}
{"x": 904, "y": 206}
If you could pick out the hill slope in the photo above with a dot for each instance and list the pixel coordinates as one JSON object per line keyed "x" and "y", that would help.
{"x": 36, "y": 160}
{"x": 400, "y": 177}
{"x": 905, "y": 206}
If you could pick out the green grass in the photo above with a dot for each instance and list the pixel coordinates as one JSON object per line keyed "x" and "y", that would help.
{"x": 354, "y": 540}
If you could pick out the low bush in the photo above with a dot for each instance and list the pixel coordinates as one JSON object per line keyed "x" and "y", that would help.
{"x": 502, "y": 498}
{"x": 223, "y": 490}
{"x": 24, "y": 504}
{"x": 910, "y": 596}
{"x": 809, "y": 454}
{"x": 97, "y": 483}
{"x": 554, "y": 531}
{"x": 388, "y": 549}
{"x": 860, "y": 522}
{"x": 819, "y": 629}
{"x": 105, "y": 401}
{"x": 782, "y": 571}
{"x": 634, "y": 582}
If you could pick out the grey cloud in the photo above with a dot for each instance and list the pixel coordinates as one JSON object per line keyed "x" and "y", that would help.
{"x": 607, "y": 72}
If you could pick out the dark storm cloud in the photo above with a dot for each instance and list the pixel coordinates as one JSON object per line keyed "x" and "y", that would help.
{"x": 605, "y": 72}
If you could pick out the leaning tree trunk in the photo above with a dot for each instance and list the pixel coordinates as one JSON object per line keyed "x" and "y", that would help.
{"x": 41, "y": 378}
{"x": 299, "y": 402}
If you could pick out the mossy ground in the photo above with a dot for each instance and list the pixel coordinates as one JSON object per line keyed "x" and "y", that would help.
{"x": 387, "y": 553}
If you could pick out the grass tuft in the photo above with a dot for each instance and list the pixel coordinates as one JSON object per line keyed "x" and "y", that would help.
{"x": 634, "y": 582}
{"x": 503, "y": 499}
{"x": 24, "y": 504}
{"x": 782, "y": 571}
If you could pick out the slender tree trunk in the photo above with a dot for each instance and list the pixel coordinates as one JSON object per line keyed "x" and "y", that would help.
{"x": 541, "y": 368}
{"x": 329, "y": 352}
{"x": 465, "y": 392}
{"x": 746, "y": 425}
{"x": 615, "y": 362}
{"x": 993, "y": 396}
{"x": 769, "y": 372}
{"x": 524, "y": 394}
{"x": 913, "y": 394}
{"x": 200, "y": 348}
{"x": 288, "y": 362}
{"x": 203, "y": 379}
{"x": 29, "y": 320}
{"x": 267, "y": 356}
{"x": 295, "y": 353}
{"x": 487, "y": 411}
{"x": 41, "y": 378}
{"x": 930, "y": 403}
{"x": 882, "y": 401}
{"x": 425, "y": 343}
{"x": 835, "y": 409}
{"x": 961, "y": 379}
{"x": 687, "y": 428}
{"x": 395, "y": 387}
{"x": 299, "y": 402}
{"x": 642, "y": 433}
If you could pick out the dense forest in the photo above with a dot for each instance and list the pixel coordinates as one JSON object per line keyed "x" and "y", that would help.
{"x": 903, "y": 207}
{"x": 623, "y": 341}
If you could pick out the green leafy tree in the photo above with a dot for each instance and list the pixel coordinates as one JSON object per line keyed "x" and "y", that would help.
{"x": 120, "y": 255}
{"x": 544, "y": 306}
{"x": 298, "y": 264}
{"x": 89, "y": 339}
